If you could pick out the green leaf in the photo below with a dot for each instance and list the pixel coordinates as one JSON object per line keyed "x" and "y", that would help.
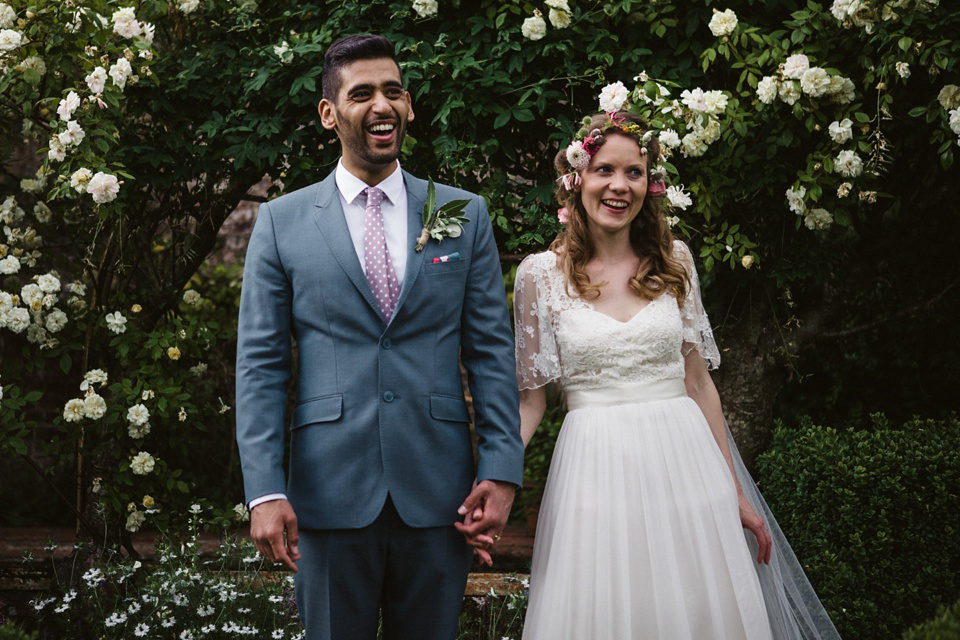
{"x": 428, "y": 208}
{"x": 65, "y": 362}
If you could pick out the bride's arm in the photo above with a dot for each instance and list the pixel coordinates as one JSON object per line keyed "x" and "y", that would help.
{"x": 701, "y": 389}
{"x": 533, "y": 404}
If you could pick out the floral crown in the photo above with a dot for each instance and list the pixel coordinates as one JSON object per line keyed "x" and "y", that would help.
{"x": 588, "y": 141}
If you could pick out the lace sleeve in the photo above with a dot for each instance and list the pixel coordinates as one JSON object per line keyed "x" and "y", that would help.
{"x": 538, "y": 361}
{"x": 697, "y": 333}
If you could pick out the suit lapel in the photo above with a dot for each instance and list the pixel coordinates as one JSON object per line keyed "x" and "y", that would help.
{"x": 416, "y": 197}
{"x": 328, "y": 215}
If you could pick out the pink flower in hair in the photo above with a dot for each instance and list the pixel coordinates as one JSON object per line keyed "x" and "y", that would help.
{"x": 563, "y": 215}
{"x": 657, "y": 188}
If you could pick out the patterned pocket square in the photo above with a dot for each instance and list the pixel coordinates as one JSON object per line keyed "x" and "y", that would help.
{"x": 452, "y": 257}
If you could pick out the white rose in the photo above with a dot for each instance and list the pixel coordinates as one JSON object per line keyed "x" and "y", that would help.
{"x": 68, "y": 105}
{"x": 191, "y": 297}
{"x": 841, "y": 131}
{"x": 73, "y": 411}
{"x": 134, "y": 521}
{"x": 848, "y": 163}
{"x": 56, "y": 321}
{"x": 6, "y": 302}
{"x": 695, "y": 100}
{"x": 839, "y": 9}
{"x": 97, "y": 80}
{"x": 790, "y": 91}
{"x": 120, "y": 71}
{"x": 678, "y": 198}
{"x": 7, "y": 16}
{"x": 577, "y": 156}
{"x": 32, "y": 296}
{"x": 9, "y": 265}
{"x": 94, "y": 406}
{"x": 693, "y": 145}
{"x": 138, "y": 415}
{"x": 48, "y": 283}
{"x": 95, "y": 376}
{"x": 562, "y": 5}
{"x": 903, "y": 69}
{"x": 57, "y": 152}
{"x": 73, "y": 135}
{"x": 613, "y": 96}
{"x": 142, "y": 463}
{"x": 125, "y": 23}
{"x": 188, "y": 6}
{"x": 716, "y": 101}
{"x": 795, "y": 201}
{"x": 844, "y": 190}
{"x": 818, "y": 219}
{"x": 669, "y": 138}
{"x": 116, "y": 322}
{"x": 795, "y": 65}
{"x": 559, "y": 19}
{"x": 767, "y": 90}
{"x": 723, "y": 22}
{"x": 18, "y": 319}
{"x": 80, "y": 179}
{"x": 149, "y": 30}
{"x": 104, "y": 187}
{"x": 815, "y": 82}
{"x": 138, "y": 431}
{"x": 955, "y": 121}
{"x": 42, "y": 212}
{"x": 534, "y": 27}
{"x": 282, "y": 50}
{"x": 425, "y": 8}
{"x": 9, "y": 40}
{"x": 34, "y": 63}
{"x": 949, "y": 96}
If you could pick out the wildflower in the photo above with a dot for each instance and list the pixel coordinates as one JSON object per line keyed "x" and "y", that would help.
{"x": 114, "y": 619}
{"x": 195, "y": 508}
{"x": 92, "y": 577}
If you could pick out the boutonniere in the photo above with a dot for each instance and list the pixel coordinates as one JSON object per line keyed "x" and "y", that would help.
{"x": 439, "y": 223}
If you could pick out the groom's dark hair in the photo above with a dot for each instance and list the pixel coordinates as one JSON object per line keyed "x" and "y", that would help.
{"x": 364, "y": 46}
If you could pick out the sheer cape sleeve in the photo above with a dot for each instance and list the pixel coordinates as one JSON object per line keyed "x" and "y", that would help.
{"x": 697, "y": 332}
{"x": 538, "y": 359}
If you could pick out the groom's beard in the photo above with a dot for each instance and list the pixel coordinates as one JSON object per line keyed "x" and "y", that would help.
{"x": 363, "y": 147}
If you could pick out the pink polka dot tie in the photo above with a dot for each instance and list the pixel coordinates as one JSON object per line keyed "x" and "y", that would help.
{"x": 379, "y": 268}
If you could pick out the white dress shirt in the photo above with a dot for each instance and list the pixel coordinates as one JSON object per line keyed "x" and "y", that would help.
{"x": 354, "y": 202}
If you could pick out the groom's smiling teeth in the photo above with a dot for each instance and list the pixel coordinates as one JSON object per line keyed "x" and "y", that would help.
{"x": 381, "y": 128}
{"x": 616, "y": 204}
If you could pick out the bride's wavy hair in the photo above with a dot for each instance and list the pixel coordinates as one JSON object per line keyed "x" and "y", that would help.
{"x": 650, "y": 235}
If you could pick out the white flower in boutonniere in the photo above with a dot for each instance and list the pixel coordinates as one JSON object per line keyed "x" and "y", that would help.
{"x": 443, "y": 222}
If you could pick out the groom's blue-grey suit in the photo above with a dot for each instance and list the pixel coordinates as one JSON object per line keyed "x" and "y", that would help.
{"x": 380, "y": 407}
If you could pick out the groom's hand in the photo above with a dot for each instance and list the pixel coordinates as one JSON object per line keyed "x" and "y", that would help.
{"x": 268, "y": 523}
{"x": 485, "y": 513}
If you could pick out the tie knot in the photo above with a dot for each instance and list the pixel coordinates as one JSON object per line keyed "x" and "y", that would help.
{"x": 374, "y": 196}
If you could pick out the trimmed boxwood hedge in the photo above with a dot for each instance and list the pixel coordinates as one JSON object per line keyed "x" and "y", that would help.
{"x": 874, "y": 516}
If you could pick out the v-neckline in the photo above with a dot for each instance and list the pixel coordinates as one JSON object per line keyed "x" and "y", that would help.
{"x": 590, "y": 307}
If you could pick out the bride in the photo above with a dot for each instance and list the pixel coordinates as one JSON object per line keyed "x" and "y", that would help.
{"x": 641, "y": 528}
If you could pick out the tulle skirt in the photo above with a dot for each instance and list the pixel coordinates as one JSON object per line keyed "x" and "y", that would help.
{"x": 639, "y": 534}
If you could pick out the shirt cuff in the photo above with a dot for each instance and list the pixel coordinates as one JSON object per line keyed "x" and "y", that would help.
{"x": 267, "y": 498}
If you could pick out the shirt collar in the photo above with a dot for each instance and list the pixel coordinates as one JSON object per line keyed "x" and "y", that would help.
{"x": 351, "y": 186}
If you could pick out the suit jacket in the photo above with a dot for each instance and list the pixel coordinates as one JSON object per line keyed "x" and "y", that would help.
{"x": 379, "y": 408}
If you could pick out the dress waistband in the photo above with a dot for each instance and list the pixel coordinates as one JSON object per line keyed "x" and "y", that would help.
{"x": 627, "y": 394}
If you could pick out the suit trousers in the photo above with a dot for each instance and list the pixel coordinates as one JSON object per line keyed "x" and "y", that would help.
{"x": 415, "y": 577}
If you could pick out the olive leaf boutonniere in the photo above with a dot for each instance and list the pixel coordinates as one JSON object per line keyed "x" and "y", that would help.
{"x": 439, "y": 223}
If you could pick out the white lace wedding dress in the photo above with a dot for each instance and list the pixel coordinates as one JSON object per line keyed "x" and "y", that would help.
{"x": 639, "y": 535}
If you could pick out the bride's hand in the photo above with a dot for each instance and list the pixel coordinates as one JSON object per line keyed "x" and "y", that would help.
{"x": 750, "y": 520}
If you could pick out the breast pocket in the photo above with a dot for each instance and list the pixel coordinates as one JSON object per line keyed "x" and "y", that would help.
{"x": 440, "y": 268}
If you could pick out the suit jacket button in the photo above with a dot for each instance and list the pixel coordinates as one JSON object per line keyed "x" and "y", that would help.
{"x": 387, "y": 343}
{"x": 388, "y": 396}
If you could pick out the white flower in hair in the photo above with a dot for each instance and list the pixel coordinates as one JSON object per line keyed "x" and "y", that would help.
{"x": 723, "y": 22}
{"x": 577, "y": 156}
{"x": 613, "y": 96}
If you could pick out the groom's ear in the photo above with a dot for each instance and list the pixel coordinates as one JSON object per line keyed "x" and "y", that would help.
{"x": 410, "y": 106}
{"x": 327, "y": 113}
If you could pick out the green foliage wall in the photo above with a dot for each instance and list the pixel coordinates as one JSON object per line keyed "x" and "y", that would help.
{"x": 874, "y": 515}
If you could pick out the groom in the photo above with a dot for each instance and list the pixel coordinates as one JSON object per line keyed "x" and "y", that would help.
{"x": 382, "y": 503}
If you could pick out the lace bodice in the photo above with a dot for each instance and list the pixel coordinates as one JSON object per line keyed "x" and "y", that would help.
{"x": 564, "y": 338}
